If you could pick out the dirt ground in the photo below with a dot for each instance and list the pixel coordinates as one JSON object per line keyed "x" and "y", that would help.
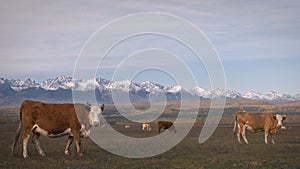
{"x": 220, "y": 151}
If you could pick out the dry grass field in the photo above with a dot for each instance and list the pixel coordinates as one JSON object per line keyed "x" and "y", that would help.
{"x": 220, "y": 151}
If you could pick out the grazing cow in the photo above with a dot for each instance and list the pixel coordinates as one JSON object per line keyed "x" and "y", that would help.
{"x": 127, "y": 126}
{"x": 146, "y": 126}
{"x": 165, "y": 125}
{"x": 267, "y": 122}
{"x": 55, "y": 120}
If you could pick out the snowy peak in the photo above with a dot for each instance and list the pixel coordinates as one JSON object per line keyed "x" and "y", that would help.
{"x": 143, "y": 88}
{"x": 152, "y": 87}
{"x": 174, "y": 89}
{"x": 272, "y": 95}
{"x": 226, "y": 93}
{"x": 59, "y": 82}
{"x": 18, "y": 85}
{"x": 124, "y": 85}
{"x": 253, "y": 95}
{"x": 198, "y": 91}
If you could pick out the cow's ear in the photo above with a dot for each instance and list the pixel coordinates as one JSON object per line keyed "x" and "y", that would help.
{"x": 283, "y": 117}
{"x": 274, "y": 117}
{"x": 102, "y": 107}
{"x": 88, "y": 108}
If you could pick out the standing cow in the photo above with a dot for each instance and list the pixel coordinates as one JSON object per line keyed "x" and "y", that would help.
{"x": 55, "y": 120}
{"x": 267, "y": 122}
{"x": 146, "y": 126}
{"x": 165, "y": 125}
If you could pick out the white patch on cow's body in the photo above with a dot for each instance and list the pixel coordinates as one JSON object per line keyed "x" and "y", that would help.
{"x": 38, "y": 129}
{"x": 66, "y": 132}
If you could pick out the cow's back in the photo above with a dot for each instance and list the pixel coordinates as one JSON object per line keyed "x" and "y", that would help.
{"x": 49, "y": 116}
{"x": 257, "y": 121}
{"x": 164, "y": 124}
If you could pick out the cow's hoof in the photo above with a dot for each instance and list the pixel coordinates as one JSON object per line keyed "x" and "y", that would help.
{"x": 80, "y": 154}
{"x": 67, "y": 153}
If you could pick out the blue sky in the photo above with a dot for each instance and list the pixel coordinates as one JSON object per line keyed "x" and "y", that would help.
{"x": 257, "y": 42}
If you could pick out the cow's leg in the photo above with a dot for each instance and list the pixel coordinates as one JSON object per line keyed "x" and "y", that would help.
{"x": 77, "y": 142}
{"x": 36, "y": 141}
{"x": 272, "y": 137}
{"x": 266, "y": 136}
{"x": 174, "y": 129}
{"x": 244, "y": 134}
{"x": 26, "y": 137}
{"x": 69, "y": 142}
{"x": 239, "y": 134}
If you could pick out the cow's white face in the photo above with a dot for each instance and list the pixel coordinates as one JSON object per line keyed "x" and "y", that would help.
{"x": 94, "y": 114}
{"x": 280, "y": 118}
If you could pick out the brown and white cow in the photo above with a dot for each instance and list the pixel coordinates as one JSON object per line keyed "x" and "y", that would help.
{"x": 55, "y": 120}
{"x": 165, "y": 125}
{"x": 146, "y": 126}
{"x": 267, "y": 122}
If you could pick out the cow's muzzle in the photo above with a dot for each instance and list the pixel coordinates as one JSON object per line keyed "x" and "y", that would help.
{"x": 96, "y": 123}
{"x": 281, "y": 126}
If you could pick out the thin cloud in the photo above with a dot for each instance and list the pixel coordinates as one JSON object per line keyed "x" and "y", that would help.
{"x": 37, "y": 34}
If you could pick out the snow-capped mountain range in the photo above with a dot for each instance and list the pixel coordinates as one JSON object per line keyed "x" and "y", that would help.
{"x": 141, "y": 89}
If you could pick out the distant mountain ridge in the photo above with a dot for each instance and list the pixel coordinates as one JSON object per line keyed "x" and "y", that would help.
{"x": 60, "y": 89}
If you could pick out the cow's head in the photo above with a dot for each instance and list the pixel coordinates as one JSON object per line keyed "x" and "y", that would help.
{"x": 94, "y": 113}
{"x": 280, "y": 119}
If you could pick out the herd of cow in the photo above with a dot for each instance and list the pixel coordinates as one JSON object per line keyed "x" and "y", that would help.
{"x": 76, "y": 121}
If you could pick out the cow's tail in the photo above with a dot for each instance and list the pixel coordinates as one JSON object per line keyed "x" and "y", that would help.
{"x": 234, "y": 127}
{"x": 17, "y": 134}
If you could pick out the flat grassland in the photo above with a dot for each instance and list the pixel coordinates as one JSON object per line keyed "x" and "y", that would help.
{"x": 220, "y": 151}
